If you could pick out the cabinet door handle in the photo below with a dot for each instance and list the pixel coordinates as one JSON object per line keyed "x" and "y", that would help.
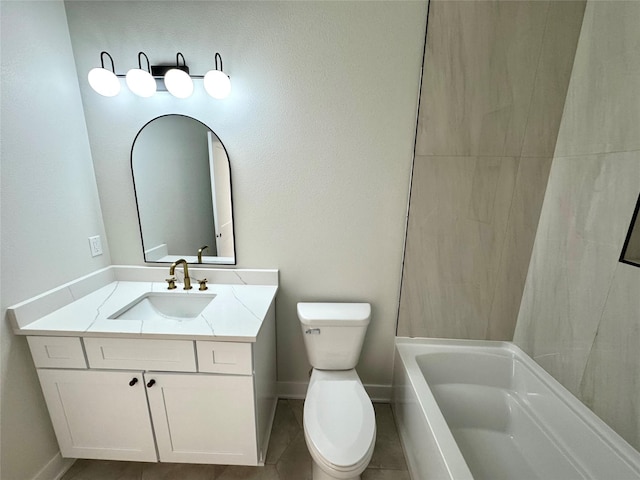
{"x": 151, "y": 383}
{"x": 133, "y": 381}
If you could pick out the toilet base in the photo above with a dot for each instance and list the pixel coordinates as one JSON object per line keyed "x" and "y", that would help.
{"x": 319, "y": 474}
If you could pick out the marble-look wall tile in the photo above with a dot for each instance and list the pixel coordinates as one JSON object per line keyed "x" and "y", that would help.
{"x": 457, "y": 221}
{"x": 480, "y": 64}
{"x": 611, "y": 382}
{"x": 578, "y": 243}
{"x": 495, "y": 78}
{"x": 562, "y": 31}
{"x": 602, "y": 111}
{"x": 531, "y": 184}
{"x": 592, "y": 197}
{"x": 483, "y": 189}
{"x": 580, "y": 312}
{"x": 562, "y": 302}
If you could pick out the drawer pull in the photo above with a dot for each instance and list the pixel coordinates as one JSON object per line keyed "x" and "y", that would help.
{"x": 151, "y": 383}
{"x": 133, "y": 381}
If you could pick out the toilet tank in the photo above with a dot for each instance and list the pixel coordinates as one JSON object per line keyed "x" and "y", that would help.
{"x": 334, "y": 333}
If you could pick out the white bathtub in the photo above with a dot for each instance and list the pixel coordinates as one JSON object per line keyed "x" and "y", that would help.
{"x": 485, "y": 410}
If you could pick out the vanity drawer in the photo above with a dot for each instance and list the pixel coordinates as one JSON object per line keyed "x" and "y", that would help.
{"x": 138, "y": 354}
{"x": 224, "y": 357}
{"x": 57, "y": 352}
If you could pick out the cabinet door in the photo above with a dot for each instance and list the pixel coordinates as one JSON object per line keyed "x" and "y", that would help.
{"x": 203, "y": 418}
{"x": 99, "y": 414}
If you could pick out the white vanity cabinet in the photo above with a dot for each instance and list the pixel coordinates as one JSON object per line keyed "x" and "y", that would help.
{"x": 203, "y": 418}
{"x": 183, "y": 377}
{"x": 102, "y": 415}
{"x": 213, "y": 403}
{"x": 197, "y": 418}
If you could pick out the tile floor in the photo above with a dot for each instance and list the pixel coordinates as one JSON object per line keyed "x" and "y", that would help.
{"x": 287, "y": 457}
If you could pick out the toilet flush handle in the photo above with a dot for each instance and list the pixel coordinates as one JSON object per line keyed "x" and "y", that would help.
{"x": 312, "y": 331}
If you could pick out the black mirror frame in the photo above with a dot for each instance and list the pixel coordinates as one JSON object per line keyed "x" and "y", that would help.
{"x": 634, "y": 227}
{"x": 135, "y": 193}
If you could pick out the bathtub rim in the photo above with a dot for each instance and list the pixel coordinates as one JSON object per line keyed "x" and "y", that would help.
{"x": 407, "y": 348}
{"x": 448, "y": 449}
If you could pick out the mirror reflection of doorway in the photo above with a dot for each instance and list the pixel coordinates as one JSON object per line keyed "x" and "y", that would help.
{"x": 221, "y": 196}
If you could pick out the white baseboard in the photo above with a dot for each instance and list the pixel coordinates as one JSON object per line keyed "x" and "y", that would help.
{"x": 379, "y": 393}
{"x": 295, "y": 390}
{"x": 55, "y": 468}
{"x": 298, "y": 390}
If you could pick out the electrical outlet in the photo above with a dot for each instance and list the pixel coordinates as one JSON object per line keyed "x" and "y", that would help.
{"x": 96, "y": 246}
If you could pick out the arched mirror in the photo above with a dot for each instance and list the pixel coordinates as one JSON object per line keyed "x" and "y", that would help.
{"x": 182, "y": 182}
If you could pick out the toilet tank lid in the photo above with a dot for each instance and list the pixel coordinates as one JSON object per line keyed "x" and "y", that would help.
{"x": 327, "y": 314}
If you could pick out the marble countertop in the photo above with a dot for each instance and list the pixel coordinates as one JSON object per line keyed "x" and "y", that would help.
{"x": 235, "y": 314}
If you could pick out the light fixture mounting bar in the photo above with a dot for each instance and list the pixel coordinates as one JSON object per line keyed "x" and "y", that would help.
{"x": 158, "y": 71}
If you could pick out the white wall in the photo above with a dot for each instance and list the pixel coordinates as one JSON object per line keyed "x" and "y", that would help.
{"x": 319, "y": 129}
{"x": 49, "y": 207}
{"x": 580, "y": 312}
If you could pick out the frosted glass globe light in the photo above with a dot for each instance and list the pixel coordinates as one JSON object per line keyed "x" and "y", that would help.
{"x": 141, "y": 82}
{"x": 217, "y": 84}
{"x": 178, "y": 83}
{"x": 104, "y": 82}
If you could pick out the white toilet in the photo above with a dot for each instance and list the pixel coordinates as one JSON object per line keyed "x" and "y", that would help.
{"x": 339, "y": 421}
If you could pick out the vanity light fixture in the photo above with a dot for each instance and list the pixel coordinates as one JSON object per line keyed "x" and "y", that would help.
{"x": 172, "y": 78}
{"x": 140, "y": 81}
{"x": 104, "y": 81}
{"x": 216, "y": 82}
{"x": 177, "y": 79}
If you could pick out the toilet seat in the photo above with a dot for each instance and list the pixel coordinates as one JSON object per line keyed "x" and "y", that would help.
{"x": 337, "y": 471}
{"x": 339, "y": 421}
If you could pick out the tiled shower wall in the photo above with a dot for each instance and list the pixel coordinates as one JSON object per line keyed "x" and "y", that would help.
{"x": 495, "y": 78}
{"x": 580, "y": 313}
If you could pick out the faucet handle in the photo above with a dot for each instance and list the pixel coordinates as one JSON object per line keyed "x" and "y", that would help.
{"x": 172, "y": 283}
{"x": 203, "y": 284}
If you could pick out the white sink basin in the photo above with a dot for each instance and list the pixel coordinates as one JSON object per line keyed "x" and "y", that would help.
{"x": 167, "y": 305}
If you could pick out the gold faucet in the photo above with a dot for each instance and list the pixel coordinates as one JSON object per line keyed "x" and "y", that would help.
{"x": 172, "y": 272}
{"x": 200, "y": 250}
